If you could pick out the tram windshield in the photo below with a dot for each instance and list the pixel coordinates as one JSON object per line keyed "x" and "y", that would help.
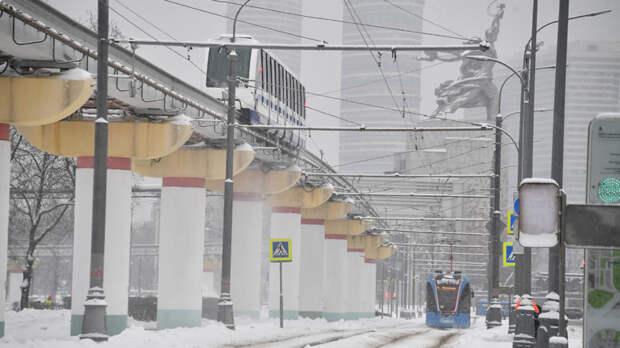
{"x": 217, "y": 68}
{"x": 446, "y": 294}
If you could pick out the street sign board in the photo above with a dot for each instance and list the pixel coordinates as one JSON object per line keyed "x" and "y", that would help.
{"x": 508, "y": 256}
{"x": 280, "y": 250}
{"x": 516, "y": 206}
{"x": 593, "y": 226}
{"x": 512, "y": 219}
{"x": 602, "y": 281}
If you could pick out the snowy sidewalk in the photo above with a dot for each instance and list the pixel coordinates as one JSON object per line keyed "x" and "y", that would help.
{"x": 50, "y": 329}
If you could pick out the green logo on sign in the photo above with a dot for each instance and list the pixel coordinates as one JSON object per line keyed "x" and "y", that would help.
{"x": 609, "y": 191}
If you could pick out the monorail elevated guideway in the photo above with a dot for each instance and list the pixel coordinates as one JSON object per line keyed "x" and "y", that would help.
{"x": 34, "y": 34}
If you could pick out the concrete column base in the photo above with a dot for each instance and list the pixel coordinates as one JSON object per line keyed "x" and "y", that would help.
{"x": 311, "y": 268}
{"x": 117, "y": 243}
{"x": 172, "y": 318}
{"x": 115, "y": 324}
{"x": 246, "y": 257}
{"x": 335, "y": 281}
{"x": 181, "y": 247}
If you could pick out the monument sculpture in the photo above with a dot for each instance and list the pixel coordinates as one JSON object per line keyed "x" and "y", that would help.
{"x": 474, "y": 87}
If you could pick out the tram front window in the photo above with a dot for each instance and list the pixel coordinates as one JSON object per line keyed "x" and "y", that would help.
{"x": 217, "y": 68}
{"x": 446, "y": 295}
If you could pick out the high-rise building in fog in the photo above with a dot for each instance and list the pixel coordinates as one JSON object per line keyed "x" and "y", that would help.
{"x": 364, "y": 81}
{"x": 286, "y": 28}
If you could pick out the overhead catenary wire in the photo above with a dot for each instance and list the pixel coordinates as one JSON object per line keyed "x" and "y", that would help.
{"x": 425, "y": 19}
{"x": 153, "y": 37}
{"x": 244, "y": 21}
{"x": 458, "y": 37}
{"x": 420, "y": 218}
{"x": 362, "y": 84}
{"x": 455, "y": 233}
{"x": 358, "y": 19}
{"x": 398, "y": 175}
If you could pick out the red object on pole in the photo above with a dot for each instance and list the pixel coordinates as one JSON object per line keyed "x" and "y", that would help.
{"x": 387, "y": 295}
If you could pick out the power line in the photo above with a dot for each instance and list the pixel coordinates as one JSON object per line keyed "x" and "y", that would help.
{"x": 425, "y": 19}
{"x": 358, "y": 19}
{"x": 379, "y": 80}
{"x": 334, "y": 116}
{"x": 243, "y": 21}
{"x": 340, "y": 21}
{"x": 400, "y": 152}
{"x": 153, "y": 37}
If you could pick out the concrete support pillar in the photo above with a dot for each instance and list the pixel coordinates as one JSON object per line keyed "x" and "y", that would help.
{"x": 356, "y": 278}
{"x": 117, "y": 242}
{"x": 370, "y": 288}
{"x": 335, "y": 277}
{"x": 246, "y": 257}
{"x": 354, "y": 285}
{"x": 181, "y": 246}
{"x": 311, "y": 268}
{"x": 5, "y": 175}
{"x": 286, "y": 223}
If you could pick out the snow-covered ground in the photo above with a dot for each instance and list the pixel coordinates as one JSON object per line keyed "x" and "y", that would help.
{"x": 50, "y": 329}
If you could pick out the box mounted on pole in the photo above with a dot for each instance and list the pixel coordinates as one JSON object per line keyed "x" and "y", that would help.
{"x": 540, "y": 205}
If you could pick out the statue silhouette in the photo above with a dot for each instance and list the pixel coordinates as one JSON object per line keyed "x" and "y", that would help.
{"x": 474, "y": 87}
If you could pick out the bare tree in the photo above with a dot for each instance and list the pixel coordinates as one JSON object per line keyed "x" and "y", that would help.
{"x": 42, "y": 192}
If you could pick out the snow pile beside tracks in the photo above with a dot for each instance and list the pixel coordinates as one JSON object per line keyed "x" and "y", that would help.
{"x": 50, "y": 329}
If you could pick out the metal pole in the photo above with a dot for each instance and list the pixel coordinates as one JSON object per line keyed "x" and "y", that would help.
{"x": 364, "y": 129}
{"x": 307, "y": 47}
{"x": 495, "y": 210}
{"x": 556, "y": 273}
{"x": 382, "y": 286}
{"x": 562, "y": 270}
{"x": 225, "y": 305}
{"x": 94, "y": 323}
{"x": 281, "y": 300}
{"x": 524, "y": 262}
{"x": 413, "y": 285}
{"x": 557, "y": 147}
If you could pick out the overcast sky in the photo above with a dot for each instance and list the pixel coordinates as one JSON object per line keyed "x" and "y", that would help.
{"x": 320, "y": 71}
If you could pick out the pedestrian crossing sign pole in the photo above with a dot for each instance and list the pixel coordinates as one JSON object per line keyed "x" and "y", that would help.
{"x": 280, "y": 251}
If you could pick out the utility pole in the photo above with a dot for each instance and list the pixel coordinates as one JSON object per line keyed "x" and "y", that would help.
{"x": 225, "y": 313}
{"x": 557, "y": 254}
{"x": 523, "y": 271}
{"x": 94, "y": 323}
{"x": 225, "y": 305}
{"x": 382, "y": 265}
{"x": 557, "y": 147}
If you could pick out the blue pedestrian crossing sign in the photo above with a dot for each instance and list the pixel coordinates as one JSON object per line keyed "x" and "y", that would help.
{"x": 512, "y": 219}
{"x": 280, "y": 250}
{"x": 508, "y": 255}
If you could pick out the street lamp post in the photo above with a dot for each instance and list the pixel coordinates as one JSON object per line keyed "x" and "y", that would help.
{"x": 225, "y": 305}
{"x": 494, "y": 246}
{"x": 94, "y": 322}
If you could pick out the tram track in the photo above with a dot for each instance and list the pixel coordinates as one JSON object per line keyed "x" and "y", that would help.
{"x": 318, "y": 339}
{"x": 404, "y": 335}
